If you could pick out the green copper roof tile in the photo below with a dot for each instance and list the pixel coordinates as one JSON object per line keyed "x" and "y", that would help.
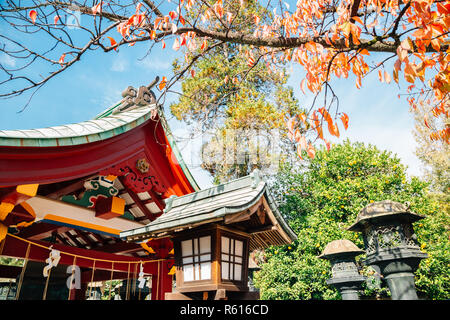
{"x": 212, "y": 204}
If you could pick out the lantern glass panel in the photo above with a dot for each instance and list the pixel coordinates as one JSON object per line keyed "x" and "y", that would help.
{"x": 196, "y": 258}
{"x": 225, "y": 270}
{"x": 186, "y": 247}
{"x": 231, "y": 258}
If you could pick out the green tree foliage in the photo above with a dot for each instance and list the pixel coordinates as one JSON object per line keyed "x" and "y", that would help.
{"x": 234, "y": 102}
{"x": 434, "y": 153}
{"x": 322, "y": 199}
{"x": 11, "y": 261}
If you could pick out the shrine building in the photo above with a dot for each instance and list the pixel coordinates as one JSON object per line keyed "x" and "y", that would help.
{"x": 111, "y": 199}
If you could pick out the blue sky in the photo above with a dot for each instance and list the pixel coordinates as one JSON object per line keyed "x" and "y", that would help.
{"x": 93, "y": 84}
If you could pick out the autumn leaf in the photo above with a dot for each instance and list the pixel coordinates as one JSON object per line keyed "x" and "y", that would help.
{"x": 357, "y": 19}
{"x": 302, "y": 142}
{"x": 365, "y": 52}
{"x": 380, "y": 76}
{"x": 290, "y": 124}
{"x": 250, "y": 62}
{"x": 181, "y": 19}
{"x": 387, "y": 77}
{"x": 33, "y": 15}
{"x": 328, "y": 144}
{"x": 425, "y": 120}
{"x": 302, "y": 85}
{"x": 113, "y": 42}
{"x": 97, "y": 8}
{"x": 299, "y": 152}
{"x": 297, "y": 135}
{"x": 162, "y": 84}
{"x": 204, "y": 45}
{"x": 172, "y": 15}
{"x": 311, "y": 151}
{"x": 176, "y": 44}
{"x": 61, "y": 59}
{"x": 344, "y": 119}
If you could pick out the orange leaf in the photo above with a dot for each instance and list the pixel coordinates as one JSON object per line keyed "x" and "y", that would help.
{"x": 113, "y": 42}
{"x": 33, "y": 15}
{"x": 176, "y": 44}
{"x": 204, "y": 45}
{"x": 172, "y": 15}
{"x": 344, "y": 119}
{"x": 97, "y": 8}
{"x": 297, "y": 135}
{"x": 365, "y": 52}
{"x": 387, "y": 77}
{"x": 61, "y": 59}
{"x": 302, "y": 142}
{"x": 291, "y": 122}
{"x": 425, "y": 120}
{"x": 380, "y": 76}
{"x": 162, "y": 84}
{"x": 327, "y": 143}
{"x": 299, "y": 152}
{"x": 250, "y": 62}
{"x": 311, "y": 151}
{"x": 182, "y": 21}
{"x": 409, "y": 73}
{"x": 302, "y": 86}
{"x": 358, "y": 19}
{"x": 55, "y": 19}
{"x": 183, "y": 40}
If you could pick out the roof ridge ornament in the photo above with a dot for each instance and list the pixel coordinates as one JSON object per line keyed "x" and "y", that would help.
{"x": 134, "y": 98}
{"x": 256, "y": 178}
{"x": 169, "y": 202}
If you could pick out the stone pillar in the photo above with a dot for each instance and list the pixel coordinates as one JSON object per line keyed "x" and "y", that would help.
{"x": 345, "y": 275}
{"x": 391, "y": 244}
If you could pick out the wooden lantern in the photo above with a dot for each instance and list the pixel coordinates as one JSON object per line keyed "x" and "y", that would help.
{"x": 210, "y": 259}
{"x": 213, "y": 232}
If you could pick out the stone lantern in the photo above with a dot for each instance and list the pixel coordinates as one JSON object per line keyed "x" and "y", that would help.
{"x": 391, "y": 244}
{"x": 345, "y": 275}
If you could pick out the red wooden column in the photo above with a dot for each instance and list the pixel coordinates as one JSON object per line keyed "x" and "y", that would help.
{"x": 161, "y": 282}
{"x": 78, "y": 294}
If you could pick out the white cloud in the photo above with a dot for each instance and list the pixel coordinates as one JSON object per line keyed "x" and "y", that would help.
{"x": 155, "y": 64}
{"x": 7, "y": 61}
{"x": 120, "y": 65}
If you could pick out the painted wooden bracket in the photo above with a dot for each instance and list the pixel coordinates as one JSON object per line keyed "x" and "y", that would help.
{"x": 138, "y": 174}
{"x": 12, "y": 196}
{"x": 107, "y": 208}
{"x": 9, "y": 198}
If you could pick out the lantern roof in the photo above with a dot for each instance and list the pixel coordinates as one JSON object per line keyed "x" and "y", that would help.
{"x": 228, "y": 203}
{"x": 381, "y": 210}
{"x": 340, "y": 247}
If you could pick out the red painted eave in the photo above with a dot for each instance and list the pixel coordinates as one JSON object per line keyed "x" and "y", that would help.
{"x": 44, "y": 165}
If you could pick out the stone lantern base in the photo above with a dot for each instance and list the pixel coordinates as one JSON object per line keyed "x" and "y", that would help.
{"x": 398, "y": 265}
{"x": 348, "y": 286}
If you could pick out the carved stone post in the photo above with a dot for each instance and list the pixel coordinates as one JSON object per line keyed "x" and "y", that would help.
{"x": 345, "y": 275}
{"x": 391, "y": 244}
